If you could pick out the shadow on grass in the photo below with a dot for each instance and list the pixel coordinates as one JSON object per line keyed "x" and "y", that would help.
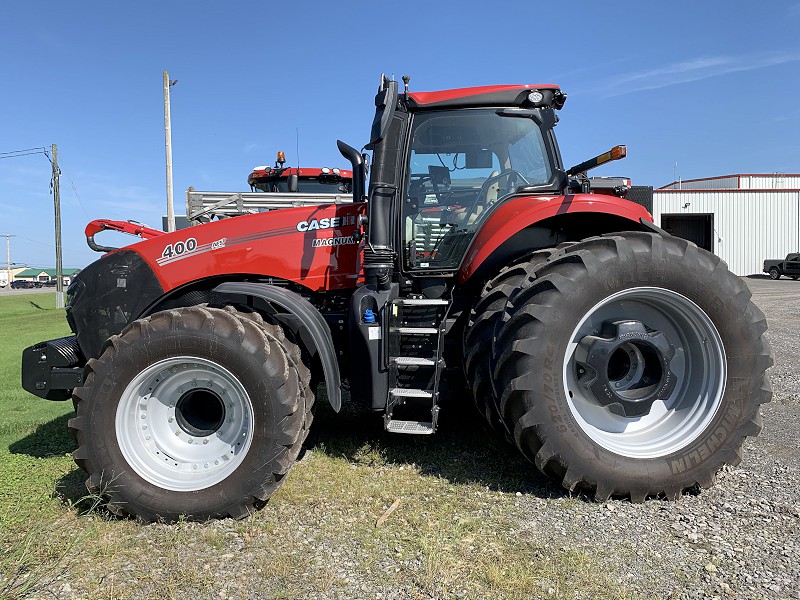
{"x": 36, "y": 306}
{"x": 50, "y": 439}
{"x": 71, "y": 489}
{"x": 54, "y": 439}
{"x": 462, "y": 451}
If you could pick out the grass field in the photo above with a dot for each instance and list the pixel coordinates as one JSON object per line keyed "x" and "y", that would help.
{"x": 458, "y": 530}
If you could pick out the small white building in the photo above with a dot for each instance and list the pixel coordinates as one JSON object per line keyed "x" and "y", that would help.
{"x": 743, "y": 219}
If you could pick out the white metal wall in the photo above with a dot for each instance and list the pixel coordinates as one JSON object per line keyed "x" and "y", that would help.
{"x": 769, "y": 182}
{"x": 749, "y": 225}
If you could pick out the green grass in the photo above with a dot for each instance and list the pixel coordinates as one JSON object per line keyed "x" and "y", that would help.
{"x": 35, "y": 531}
{"x": 24, "y": 320}
{"x": 460, "y": 530}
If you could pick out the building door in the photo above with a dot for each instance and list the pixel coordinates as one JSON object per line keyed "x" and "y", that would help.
{"x": 697, "y": 228}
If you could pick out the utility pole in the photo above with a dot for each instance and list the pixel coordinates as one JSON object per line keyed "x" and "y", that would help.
{"x": 57, "y": 207}
{"x": 8, "y": 257}
{"x": 168, "y": 142}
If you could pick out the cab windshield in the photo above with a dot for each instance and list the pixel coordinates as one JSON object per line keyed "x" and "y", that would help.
{"x": 461, "y": 164}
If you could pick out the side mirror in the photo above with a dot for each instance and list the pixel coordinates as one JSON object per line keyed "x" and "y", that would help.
{"x": 291, "y": 182}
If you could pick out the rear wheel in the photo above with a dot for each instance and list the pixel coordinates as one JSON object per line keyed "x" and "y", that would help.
{"x": 192, "y": 412}
{"x": 479, "y": 333}
{"x": 634, "y": 365}
{"x": 774, "y": 273}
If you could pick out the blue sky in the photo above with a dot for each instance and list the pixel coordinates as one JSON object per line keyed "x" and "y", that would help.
{"x": 710, "y": 85}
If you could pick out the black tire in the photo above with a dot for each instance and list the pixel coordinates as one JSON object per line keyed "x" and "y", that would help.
{"x": 664, "y": 420}
{"x": 794, "y": 277}
{"x": 298, "y": 357}
{"x": 224, "y": 384}
{"x": 774, "y": 273}
{"x": 480, "y": 330}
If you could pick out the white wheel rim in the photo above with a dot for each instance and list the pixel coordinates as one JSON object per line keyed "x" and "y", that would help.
{"x": 699, "y": 363}
{"x": 184, "y": 423}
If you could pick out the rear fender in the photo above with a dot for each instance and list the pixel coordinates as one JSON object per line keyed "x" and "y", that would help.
{"x": 526, "y": 223}
{"x": 311, "y": 326}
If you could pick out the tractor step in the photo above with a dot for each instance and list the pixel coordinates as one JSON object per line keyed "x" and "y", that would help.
{"x": 421, "y": 302}
{"x": 412, "y": 361}
{"x": 415, "y": 342}
{"x": 412, "y": 427}
{"x": 416, "y": 330}
{"x": 410, "y": 393}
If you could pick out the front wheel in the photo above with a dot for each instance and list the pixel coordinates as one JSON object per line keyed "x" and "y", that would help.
{"x": 633, "y": 365}
{"x": 193, "y": 412}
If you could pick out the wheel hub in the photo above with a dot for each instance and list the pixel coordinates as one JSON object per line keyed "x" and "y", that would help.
{"x": 200, "y": 412}
{"x": 626, "y": 368}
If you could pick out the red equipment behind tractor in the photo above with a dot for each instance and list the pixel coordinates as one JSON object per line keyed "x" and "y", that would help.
{"x": 289, "y": 179}
{"x": 619, "y": 359}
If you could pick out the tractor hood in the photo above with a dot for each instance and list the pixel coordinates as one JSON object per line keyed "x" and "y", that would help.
{"x": 313, "y": 246}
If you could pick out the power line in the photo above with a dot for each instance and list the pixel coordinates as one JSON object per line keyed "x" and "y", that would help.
{"x": 22, "y": 237}
{"x": 20, "y": 153}
{"x": 39, "y": 150}
{"x": 74, "y": 188}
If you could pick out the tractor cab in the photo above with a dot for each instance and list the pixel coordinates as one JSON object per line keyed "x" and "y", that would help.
{"x": 461, "y": 164}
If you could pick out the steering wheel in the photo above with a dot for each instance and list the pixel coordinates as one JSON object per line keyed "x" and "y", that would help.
{"x": 512, "y": 176}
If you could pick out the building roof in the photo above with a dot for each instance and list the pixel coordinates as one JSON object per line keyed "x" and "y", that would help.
{"x": 34, "y": 272}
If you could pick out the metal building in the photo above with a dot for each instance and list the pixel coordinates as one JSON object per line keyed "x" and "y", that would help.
{"x": 743, "y": 219}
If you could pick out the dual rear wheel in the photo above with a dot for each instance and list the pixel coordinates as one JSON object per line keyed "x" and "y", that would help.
{"x": 626, "y": 365}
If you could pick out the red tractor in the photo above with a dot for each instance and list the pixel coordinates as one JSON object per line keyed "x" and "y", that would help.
{"x": 620, "y": 360}
{"x": 289, "y": 179}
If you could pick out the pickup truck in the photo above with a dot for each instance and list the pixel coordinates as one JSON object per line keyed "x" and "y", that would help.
{"x": 789, "y": 266}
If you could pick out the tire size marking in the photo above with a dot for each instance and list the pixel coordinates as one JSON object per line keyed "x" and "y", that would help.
{"x": 179, "y": 248}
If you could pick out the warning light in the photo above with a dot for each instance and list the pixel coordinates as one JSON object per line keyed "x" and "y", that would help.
{"x": 618, "y": 152}
{"x": 536, "y": 96}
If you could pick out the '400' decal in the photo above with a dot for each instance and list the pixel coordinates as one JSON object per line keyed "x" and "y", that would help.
{"x": 179, "y": 248}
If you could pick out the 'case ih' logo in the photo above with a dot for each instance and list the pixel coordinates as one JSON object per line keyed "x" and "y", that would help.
{"x": 326, "y": 223}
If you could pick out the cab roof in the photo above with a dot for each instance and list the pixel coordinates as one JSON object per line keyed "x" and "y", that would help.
{"x": 489, "y": 95}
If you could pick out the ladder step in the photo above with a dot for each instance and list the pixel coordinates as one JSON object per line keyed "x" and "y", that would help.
{"x": 410, "y": 393}
{"x": 421, "y": 301}
{"x": 408, "y": 361}
{"x": 412, "y": 427}
{"x": 416, "y": 330}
